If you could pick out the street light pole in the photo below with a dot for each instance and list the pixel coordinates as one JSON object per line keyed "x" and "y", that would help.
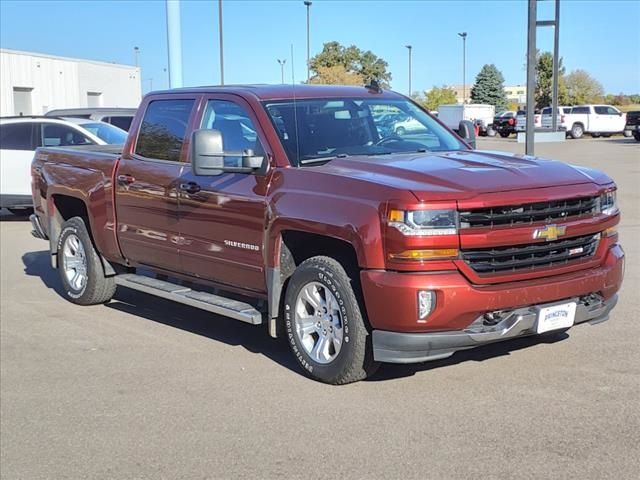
{"x": 282, "y": 62}
{"x": 464, "y": 65}
{"x": 308, "y": 5}
{"x": 409, "y": 47}
{"x": 136, "y": 54}
{"x": 221, "y": 42}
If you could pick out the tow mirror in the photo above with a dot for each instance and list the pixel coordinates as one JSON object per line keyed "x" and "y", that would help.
{"x": 467, "y": 131}
{"x": 208, "y": 155}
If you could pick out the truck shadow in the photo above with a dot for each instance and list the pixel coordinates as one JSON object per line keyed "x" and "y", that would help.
{"x": 255, "y": 339}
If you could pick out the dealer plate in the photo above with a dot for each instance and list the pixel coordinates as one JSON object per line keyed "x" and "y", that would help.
{"x": 556, "y": 317}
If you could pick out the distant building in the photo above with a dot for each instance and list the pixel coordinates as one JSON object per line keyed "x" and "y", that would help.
{"x": 516, "y": 94}
{"x": 34, "y": 83}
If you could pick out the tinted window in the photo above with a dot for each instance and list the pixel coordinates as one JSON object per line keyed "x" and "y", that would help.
{"x": 236, "y": 128}
{"x": 54, "y": 135}
{"x": 16, "y": 136}
{"x": 612, "y": 111}
{"x": 601, "y": 110}
{"x": 580, "y": 110}
{"x": 163, "y": 128}
{"x": 121, "y": 122}
{"x": 546, "y": 111}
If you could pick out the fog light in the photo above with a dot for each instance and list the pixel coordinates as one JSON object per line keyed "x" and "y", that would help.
{"x": 426, "y": 303}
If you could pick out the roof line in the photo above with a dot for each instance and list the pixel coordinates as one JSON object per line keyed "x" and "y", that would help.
{"x": 72, "y": 59}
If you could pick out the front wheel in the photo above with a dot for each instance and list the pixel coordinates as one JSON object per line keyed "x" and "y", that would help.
{"x": 627, "y": 133}
{"x": 504, "y": 134}
{"x": 577, "y": 131}
{"x": 80, "y": 267}
{"x": 324, "y": 323}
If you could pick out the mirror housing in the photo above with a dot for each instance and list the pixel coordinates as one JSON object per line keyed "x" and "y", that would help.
{"x": 467, "y": 131}
{"x": 207, "y": 155}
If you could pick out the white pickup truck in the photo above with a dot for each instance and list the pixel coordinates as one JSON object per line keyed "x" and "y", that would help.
{"x": 597, "y": 120}
{"x": 521, "y": 121}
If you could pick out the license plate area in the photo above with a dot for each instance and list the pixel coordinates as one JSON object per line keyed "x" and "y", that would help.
{"x": 555, "y": 317}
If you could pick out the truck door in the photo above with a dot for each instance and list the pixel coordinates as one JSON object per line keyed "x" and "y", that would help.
{"x": 146, "y": 195}
{"x": 222, "y": 217}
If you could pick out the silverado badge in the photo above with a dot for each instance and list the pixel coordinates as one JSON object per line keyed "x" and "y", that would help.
{"x": 550, "y": 232}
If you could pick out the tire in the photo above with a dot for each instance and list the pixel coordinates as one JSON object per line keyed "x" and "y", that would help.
{"x": 491, "y": 132}
{"x": 80, "y": 268}
{"x": 636, "y": 135}
{"x": 400, "y": 131}
{"x": 595, "y": 135}
{"x": 627, "y": 133}
{"x": 318, "y": 283}
{"x": 577, "y": 130}
{"x": 606, "y": 135}
{"x": 504, "y": 134}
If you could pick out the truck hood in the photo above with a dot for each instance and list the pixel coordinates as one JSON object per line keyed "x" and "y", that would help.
{"x": 462, "y": 174}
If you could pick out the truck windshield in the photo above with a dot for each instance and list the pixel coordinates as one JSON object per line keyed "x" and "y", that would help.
{"x": 316, "y": 130}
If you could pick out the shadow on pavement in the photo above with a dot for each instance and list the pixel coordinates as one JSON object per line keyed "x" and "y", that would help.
{"x": 255, "y": 339}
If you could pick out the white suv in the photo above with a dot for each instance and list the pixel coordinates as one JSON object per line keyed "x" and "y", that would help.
{"x": 20, "y": 136}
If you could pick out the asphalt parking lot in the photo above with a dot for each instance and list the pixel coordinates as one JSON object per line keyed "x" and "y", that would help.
{"x": 142, "y": 388}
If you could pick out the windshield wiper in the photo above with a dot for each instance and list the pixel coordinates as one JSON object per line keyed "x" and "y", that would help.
{"x": 323, "y": 159}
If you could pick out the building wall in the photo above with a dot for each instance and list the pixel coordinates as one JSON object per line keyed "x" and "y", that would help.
{"x": 57, "y": 82}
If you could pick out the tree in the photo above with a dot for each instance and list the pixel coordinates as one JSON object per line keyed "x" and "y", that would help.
{"x": 544, "y": 81}
{"x": 437, "y": 96}
{"x": 336, "y": 75}
{"x": 583, "y": 88}
{"x": 489, "y": 88}
{"x": 353, "y": 60}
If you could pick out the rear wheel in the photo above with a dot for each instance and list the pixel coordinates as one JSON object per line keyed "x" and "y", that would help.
{"x": 504, "y": 134}
{"x": 606, "y": 135}
{"x": 595, "y": 135}
{"x": 627, "y": 133}
{"x": 636, "y": 135}
{"x": 324, "y": 323}
{"x": 577, "y": 130}
{"x": 80, "y": 268}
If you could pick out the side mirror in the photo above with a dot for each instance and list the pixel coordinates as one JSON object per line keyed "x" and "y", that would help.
{"x": 207, "y": 155}
{"x": 467, "y": 131}
{"x": 207, "y": 152}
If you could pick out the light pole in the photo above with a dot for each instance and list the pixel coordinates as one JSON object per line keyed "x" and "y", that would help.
{"x": 221, "y": 42}
{"x": 282, "y": 62}
{"x": 464, "y": 65}
{"x": 308, "y": 5}
{"x": 136, "y": 54}
{"x": 409, "y": 47}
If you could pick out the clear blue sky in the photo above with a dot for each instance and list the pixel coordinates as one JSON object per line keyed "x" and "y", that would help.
{"x": 601, "y": 37}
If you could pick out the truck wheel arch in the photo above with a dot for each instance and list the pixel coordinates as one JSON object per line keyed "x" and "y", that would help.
{"x": 291, "y": 248}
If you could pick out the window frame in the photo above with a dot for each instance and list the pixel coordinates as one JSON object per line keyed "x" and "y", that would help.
{"x": 189, "y": 129}
{"x": 32, "y": 137}
{"x": 71, "y": 126}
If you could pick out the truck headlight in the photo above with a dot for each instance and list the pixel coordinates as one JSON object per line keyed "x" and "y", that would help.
{"x": 609, "y": 203}
{"x": 424, "y": 222}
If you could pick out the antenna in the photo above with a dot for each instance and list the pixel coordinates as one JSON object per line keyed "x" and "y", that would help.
{"x": 295, "y": 108}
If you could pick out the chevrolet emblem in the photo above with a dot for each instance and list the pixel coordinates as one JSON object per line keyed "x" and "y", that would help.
{"x": 550, "y": 232}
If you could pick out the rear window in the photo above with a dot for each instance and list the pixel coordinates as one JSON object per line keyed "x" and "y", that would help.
{"x": 16, "y": 136}
{"x": 121, "y": 122}
{"x": 163, "y": 129}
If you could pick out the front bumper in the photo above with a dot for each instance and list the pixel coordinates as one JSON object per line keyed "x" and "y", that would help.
{"x": 391, "y": 303}
{"x": 398, "y": 347}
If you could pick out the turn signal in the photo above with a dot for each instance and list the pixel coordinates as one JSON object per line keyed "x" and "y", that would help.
{"x": 610, "y": 232}
{"x": 419, "y": 255}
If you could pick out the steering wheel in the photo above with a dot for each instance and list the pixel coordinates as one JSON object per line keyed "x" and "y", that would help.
{"x": 389, "y": 138}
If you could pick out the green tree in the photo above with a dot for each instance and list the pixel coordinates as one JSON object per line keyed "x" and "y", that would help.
{"x": 489, "y": 88}
{"x": 437, "y": 96}
{"x": 336, "y": 75}
{"x": 365, "y": 64}
{"x": 583, "y": 88}
{"x": 544, "y": 81}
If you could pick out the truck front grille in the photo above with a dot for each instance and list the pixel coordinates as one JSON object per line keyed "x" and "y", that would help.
{"x": 529, "y": 213}
{"x": 531, "y": 256}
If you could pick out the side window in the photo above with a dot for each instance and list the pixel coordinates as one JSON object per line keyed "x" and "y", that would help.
{"x": 612, "y": 111}
{"x": 16, "y": 136}
{"x": 121, "y": 122}
{"x": 163, "y": 129}
{"x": 56, "y": 135}
{"x": 601, "y": 110}
{"x": 236, "y": 128}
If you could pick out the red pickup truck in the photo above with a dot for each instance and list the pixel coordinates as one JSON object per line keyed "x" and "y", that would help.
{"x": 301, "y": 208}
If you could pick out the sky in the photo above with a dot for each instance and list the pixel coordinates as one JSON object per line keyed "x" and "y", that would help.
{"x": 600, "y": 36}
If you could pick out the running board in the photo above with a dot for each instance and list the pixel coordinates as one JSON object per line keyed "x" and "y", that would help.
{"x": 202, "y": 300}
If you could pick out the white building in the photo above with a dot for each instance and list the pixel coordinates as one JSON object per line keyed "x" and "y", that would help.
{"x": 34, "y": 83}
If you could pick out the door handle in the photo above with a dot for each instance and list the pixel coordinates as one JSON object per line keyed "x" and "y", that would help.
{"x": 126, "y": 179}
{"x": 189, "y": 187}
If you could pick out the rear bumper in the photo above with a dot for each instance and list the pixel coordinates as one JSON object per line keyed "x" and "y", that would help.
{"x": 15, "y": 201}
{"x": 398, "y": 347}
